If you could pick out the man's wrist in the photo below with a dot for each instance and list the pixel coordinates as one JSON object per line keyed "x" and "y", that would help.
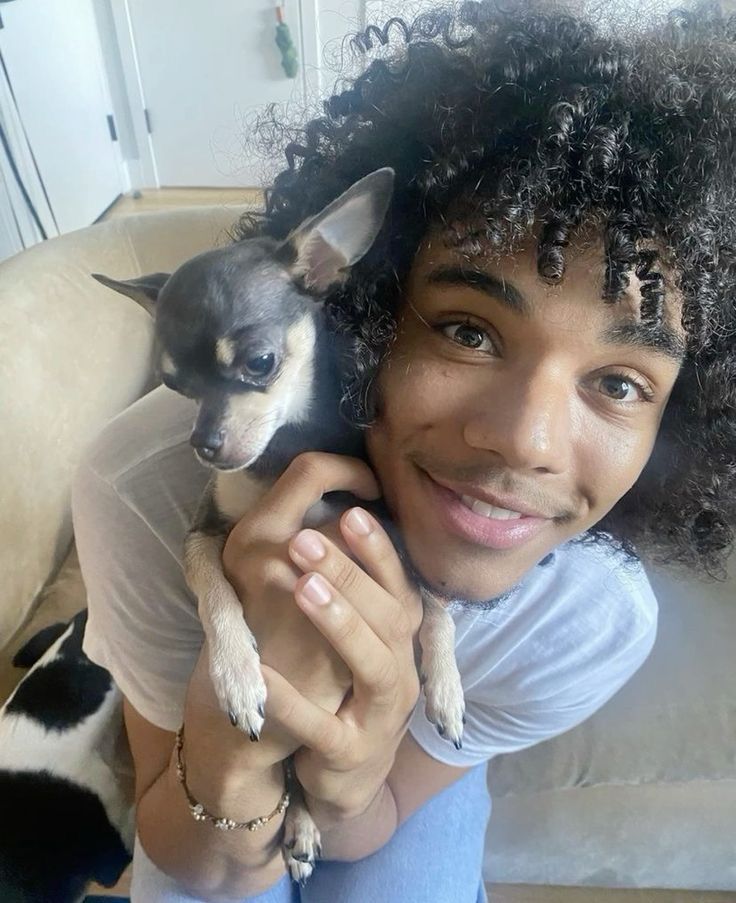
{"x": 353, "y": 832}
{"x": 356, "y": 800}
{"x": 229, "y": 779}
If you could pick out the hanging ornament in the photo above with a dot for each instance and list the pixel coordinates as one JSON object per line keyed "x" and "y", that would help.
{"x": 289, "y": 61}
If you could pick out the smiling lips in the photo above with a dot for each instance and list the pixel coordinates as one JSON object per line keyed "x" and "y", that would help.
{"x": 481, "y": 522}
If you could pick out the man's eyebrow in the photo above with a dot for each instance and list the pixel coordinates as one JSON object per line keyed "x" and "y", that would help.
{"x": 654, "y": 338}
{"x": 490, "y": 285}
{"x": 660, "y": 339}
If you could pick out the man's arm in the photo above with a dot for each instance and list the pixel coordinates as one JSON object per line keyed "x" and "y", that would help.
{"x": 212, "y": 864}
{"x": 414, "y": 778}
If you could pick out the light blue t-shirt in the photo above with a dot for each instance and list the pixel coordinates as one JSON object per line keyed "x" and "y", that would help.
{"x": 558, "y": 646}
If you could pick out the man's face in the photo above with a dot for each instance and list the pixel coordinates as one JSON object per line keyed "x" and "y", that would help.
{"x": 512, "y": 414}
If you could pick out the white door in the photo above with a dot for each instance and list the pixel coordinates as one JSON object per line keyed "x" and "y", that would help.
{"x": 52, "y": 55}
{"x": 203, "y": 69}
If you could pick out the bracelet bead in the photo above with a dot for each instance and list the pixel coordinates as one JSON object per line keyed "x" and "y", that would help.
{"x": 198, "y": 811}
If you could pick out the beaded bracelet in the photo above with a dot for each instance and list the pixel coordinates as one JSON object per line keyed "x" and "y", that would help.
{"x": 199, "y": 813}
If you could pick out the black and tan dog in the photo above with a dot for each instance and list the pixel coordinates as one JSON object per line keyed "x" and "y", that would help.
{"x": 242, "y": 331}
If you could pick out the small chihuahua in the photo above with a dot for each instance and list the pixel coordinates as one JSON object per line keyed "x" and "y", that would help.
{"x": 241, "y": 329}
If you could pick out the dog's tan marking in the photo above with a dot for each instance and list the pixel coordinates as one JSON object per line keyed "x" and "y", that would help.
{"x": 225, "y": 351}
{"x": 236, "y": 493}
{"x": 252, "y": 418}
{"x": 443, "y": 689}
{"x": 234, "y": 665}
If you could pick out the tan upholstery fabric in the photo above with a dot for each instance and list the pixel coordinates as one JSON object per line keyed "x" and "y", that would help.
{"x": 72, "y": 355}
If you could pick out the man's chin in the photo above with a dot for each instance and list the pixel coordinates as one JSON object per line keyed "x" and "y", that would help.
{"x": 448, "y": 589}
{"x": 461, "y": 598}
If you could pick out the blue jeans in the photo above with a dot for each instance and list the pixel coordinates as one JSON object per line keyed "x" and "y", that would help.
{"x": 434, "y": 857}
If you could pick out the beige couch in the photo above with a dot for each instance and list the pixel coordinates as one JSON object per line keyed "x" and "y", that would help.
{"x": 643, "y": 794}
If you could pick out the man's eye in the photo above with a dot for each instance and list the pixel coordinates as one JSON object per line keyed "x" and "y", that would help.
{"x": 468, "y": 335}
{"x": 620, "y": 387}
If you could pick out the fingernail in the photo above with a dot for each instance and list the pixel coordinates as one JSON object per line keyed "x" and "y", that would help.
{"x": 309, "y": 545}
{"x": 358, "y": 522}
{"x": 316, "y": 590}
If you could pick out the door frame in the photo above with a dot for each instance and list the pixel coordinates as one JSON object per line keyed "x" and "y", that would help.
{"x": 143, "y": 172}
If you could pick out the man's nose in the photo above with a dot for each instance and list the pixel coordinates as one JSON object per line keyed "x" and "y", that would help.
{"x": 526, "y": 420}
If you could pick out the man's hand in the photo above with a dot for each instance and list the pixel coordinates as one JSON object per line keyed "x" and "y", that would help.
{"x": 257, "y": 564}
{"x": 370, "y": 617}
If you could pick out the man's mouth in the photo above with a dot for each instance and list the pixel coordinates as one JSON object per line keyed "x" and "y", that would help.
{"x": 495, "y": 520}
{"x": 496, "y": 505}
{"x": 490, "y": 511}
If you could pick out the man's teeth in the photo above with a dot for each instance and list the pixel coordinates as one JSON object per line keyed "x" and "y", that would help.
{"x": 486, "y": 510}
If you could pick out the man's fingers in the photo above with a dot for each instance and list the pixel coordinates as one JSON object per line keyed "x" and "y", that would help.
{"x": 375, "y": 668}
{"x": 305, "y": 481}
{"x": 393, "y": 618}
{"x": 305, "y": 721}
{"x": 372, "y": 546}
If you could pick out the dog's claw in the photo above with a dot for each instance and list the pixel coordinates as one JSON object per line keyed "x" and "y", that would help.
{"x": 458, "y": 744}
{"x": 254, "y": 736}
{"x": 443, "y": 692}
{"x": 239, "y": 686}
{"x": 261, "y": 710}
{"x": 301, "y": 841}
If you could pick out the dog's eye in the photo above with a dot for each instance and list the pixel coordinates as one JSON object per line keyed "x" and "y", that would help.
{"x": 260, "y": 365}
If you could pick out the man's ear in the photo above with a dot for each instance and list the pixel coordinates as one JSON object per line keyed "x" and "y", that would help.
{"x": 144, "y": 289}
{"x": 324, "y": 247}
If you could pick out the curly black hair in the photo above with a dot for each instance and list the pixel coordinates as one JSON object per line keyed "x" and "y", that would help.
{"x": 503, "y": 119}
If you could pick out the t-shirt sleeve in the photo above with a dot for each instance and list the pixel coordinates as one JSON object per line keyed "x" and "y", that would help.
{"x": 559, "y": 673}
{"x": 503, "y": 728}
{"x": 142, "y": 621}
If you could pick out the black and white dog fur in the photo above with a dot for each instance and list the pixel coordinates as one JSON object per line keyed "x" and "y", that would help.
{"x": 241, "y": 329}
{"x": 66, "y": 777}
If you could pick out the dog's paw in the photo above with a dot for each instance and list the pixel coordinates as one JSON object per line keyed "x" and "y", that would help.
{"x": 298, "y": 871}
{"x": 445, "y": 707}
{"x": 301, "y": 844}
{"x": 240, "y": 688}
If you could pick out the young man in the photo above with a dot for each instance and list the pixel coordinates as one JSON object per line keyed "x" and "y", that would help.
{"x": 545, "y": 358}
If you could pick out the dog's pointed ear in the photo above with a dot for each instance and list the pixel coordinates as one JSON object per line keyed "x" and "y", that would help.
{"x": 144, "y": 289}
{"x": 322, "y": 249}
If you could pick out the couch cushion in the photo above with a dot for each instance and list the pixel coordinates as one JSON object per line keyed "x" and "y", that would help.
{"x": 674, "y": 721}
{"x": 673, "y": 725}
{"x": 659, "y": 835}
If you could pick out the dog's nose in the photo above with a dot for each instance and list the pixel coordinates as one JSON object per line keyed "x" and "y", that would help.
{"x": 207, "y": 444}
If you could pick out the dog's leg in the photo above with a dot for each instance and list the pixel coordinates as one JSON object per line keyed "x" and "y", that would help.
{"x": 301, "y": 843}
{"x": 235, "y": 668}
{"x": 439, "y": 673}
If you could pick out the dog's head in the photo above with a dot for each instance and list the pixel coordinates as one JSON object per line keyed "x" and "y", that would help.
{"x": 237, "y": 327}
